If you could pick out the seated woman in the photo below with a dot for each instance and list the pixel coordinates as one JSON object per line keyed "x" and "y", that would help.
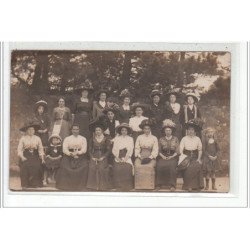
{"x": 136, "y": 120}
{"x": 73, "y": 172}
{"x": 123, "y": 148}
{"x": 31, "y": 154}
{"x": 168, "y": 157}
{"x": 146, "y": 151}
{"x": 99, "y": 150}
{"x": 191, "y": 146}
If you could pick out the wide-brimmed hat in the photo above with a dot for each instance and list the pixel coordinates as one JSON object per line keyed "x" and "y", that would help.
{"x": 172, "y": 92}
{"x": 97, "y": 124}
{"x": 86, "y": 85}
{"x": 196, "y": 123}
{"x": 136, "y": 105}
{"x": 55, "y": 136}
{"x": 155, "y": 92}
{"x": 195, "y": 97}
{"x": 145, "y": 122}
{"x": 168, "y": 123}
{"x": 121, "y": 126}
{"x": 29, "y": 124}
{"x": 106, "y": 91}
{"x": 41, "y": 103}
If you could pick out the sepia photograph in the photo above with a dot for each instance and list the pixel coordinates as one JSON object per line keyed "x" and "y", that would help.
{"x": 119, "y": 121}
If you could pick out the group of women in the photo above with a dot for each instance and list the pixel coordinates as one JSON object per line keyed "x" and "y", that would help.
{"x": 106, "y": 146}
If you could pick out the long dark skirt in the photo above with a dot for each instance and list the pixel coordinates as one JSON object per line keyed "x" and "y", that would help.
{"x": 72, "y": 174}
{"x": 31, "y": 171}
{"x": 82, "y": 119}
{"x": 166, "y": 172}
{"x": 193, "y": 176}
{"x": 99, "y": 175}
{"x": 122, "y": 176}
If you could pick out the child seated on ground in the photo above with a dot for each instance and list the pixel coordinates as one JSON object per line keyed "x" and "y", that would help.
{"x": 210, "y": 161}
{"x": 53, "y": 159}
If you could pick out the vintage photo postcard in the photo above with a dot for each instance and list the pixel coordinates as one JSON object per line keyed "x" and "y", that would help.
{"x": 110, "y": 120}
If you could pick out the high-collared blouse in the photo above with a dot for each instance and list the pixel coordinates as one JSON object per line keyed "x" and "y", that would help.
{"x": 123, "y": 142}
{"x": 171, "y": 144}
{"x": 30, "y": 142}
{"x": 135, "y": 121}
{"x": 147, "y": 141}
{"x": 190, "y": 143}
{"x": 76, "y": 143}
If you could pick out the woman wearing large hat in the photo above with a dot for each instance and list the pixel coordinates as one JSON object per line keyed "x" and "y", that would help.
{"x": 100, "y": 104}
{"x": 31, "y": 155}
{"x": 123, "y": 148}
{"x": 41, "y": 109}
{"x": 173, "y": 111}
{"x": 99, "y": 151}
{"x": 156, "y": 112}
{"x": 191, "y": 147}
{"x": 146, "y": 151}
{"x": 190, "y": 110}
{"x": 83, "y": 108}
{"x": 168, "y": 157}
{"x": 138, "y": 110}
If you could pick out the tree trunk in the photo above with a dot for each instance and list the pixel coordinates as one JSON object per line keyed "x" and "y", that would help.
{"x": 126, "y": 73}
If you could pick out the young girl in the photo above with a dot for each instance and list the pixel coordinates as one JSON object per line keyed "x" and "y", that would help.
{"x": 210, "y": 162}
{"x": 53, "y": 158}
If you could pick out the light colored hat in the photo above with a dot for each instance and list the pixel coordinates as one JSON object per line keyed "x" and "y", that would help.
{"x": 41, "y": 103}
{"x": 123, "y": 125}
{"x": 155, "y": 92}
{"x": 209, "y": 129}
{"x": 195, "y": 97}
{"x": 167, "y": 123}
{"x": 55, "y": 136}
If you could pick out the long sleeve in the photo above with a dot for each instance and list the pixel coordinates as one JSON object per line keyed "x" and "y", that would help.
{"x": 94, "y": 111}
{"x": 66, "y": 146}
{"x": 20, "y": 148}
{"x": 40, "y": 147}
{"x": 182, "y": 145}
{"x": 115, "y": 149}
{"x": 177, "y": 149}
{"x": 155, "y": 149}
{"x": 84, "y": 146}
{"x": 130, "y": 147}
{"x": 199, "y": 147}
{"x": 137, "y": 147}
{"x": 108, "y": 148}
{"x": 90, "y": 148}
{"x": 160, "y": 146}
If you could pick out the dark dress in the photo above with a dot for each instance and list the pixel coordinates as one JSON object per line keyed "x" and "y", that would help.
{"x": 124, "y": 115}
{"x": 98, "y": 111}
{"x": 83, "y": 115}
{"x": 44, "y": 123}
{"x": 210, "y": 166}
{"x": 156, "y": 112}
{"x": 166, "y": 169}
{"x": 175, "y": 117}
{"x": 53, "y": 156}
{"x": 99, "y": 172}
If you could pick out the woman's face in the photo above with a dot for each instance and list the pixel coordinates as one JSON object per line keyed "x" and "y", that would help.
{"x": 110, "y": 115}
{"x": 85, "y": 93}
{"x": 30, "y": 131}
{"x": 146, "y": 130}
{"x": 168, "y": 131}
{"x": 103, "y": 97}
{"x": 75, "y": 130}
{"x": 126, "y": 100}
{"x": 191, "y": 131}
{"x": 124, "y": 131}
{"x": 210, "y": 134}
{"x": 55, "y": 141}
{"x": 61, "y": 102}
{"x": 190, "y": 100}
{"x": 98, "y": 131}
{"x": 172, "y": 98}
{"x": 156, "y": 99}
{"x": 138, "y": 111}
{"x": 40, "y": 110}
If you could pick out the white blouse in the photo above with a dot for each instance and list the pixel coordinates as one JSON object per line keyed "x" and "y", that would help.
{"x": 135, "y": 121}
{"x": 147, "y": 141}
{"x": 176, "y": 107}
{"x": 190, "y": 143}
{"x": 77, "y": 143}
{"x": 102, "y": 103}
{"x": 121, "y": 142}
{"x": 30, "y": 142}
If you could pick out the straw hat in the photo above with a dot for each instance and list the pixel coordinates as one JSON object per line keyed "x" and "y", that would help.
{"x": 155, "y": 92}
{"x": 121, "y": 126}
{"x": 167, "y": 123}
{"x": 41, "y": 103}
{"x": 55, "y": 136}
{"x": 195, "y": 97}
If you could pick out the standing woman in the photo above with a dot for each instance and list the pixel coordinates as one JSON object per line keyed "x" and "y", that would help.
{"x": 123, "y": 148}
{"x": 83, "y": 108}
{"x": 173, "y": 112}
{"x": 99, "y": 150}
{"x": 168, "y": 156}
{"x": 73, "y": 172}
{"x": 190, "y": 110}
{"x": 191, "y": 147}
{"x": 31, "y": 155}
{"x": 146, "y": 151}
{"x": 41, "y": 109}
{"x": 125, "y": 108}
{"x": 110, "y": 121}
{"x": 62, "y": 119}
{"x": 136, "y": 120}
{"x": 156, "y": 112}
{"x": 100, "y": 104}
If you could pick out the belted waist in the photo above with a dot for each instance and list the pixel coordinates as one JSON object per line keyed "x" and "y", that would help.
{"x": 74, "y": 149}
{"x": 168, "y": 152}
{"x": 191, "y": 153}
